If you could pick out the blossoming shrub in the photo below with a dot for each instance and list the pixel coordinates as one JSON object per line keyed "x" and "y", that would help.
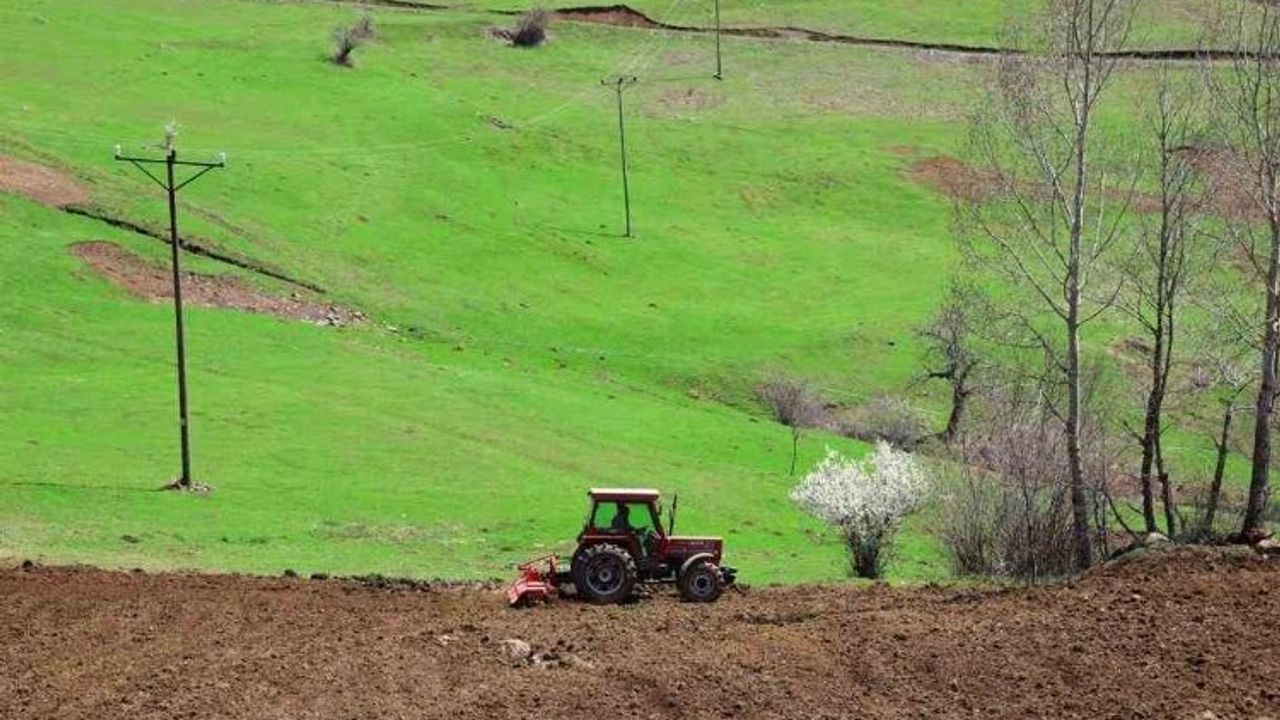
{"x": 866, "y": 500}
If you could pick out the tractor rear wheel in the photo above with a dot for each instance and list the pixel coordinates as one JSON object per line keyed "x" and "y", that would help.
{"x": 701, "y": 583}
{"x": 604, "y": 574}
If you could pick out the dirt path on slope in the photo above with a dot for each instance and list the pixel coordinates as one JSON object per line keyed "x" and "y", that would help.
{"x": 151, "y": 281}
{"x": 1179, "y": 636}
{"x": 42, "y": 184}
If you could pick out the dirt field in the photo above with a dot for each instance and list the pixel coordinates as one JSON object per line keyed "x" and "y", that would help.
{"x": 1189, "y": 635}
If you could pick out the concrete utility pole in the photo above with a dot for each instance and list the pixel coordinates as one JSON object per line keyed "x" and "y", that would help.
{"x": 171, "y": 187}
{"x": 620, "y": 83}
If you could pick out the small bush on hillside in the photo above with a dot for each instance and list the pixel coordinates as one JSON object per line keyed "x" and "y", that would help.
{"x": 532, "y": 29}
{"x": 347, "y": 38}
{"x": 892, "y": 420}
{"x": 791, "y": 402}
{"x": 866, "y": 500}
{"x": 794, "y": 404}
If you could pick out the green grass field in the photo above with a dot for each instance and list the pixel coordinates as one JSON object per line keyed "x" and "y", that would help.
{"x": 465, "y": 196}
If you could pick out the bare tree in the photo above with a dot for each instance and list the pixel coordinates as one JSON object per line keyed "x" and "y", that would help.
{"x": 950, "y": 354}
{"x": 1170, "y": 257}
{"x": 1050, "y": 226}
{"x": 794, "y": 404}
{"x": 1248, "y": 92}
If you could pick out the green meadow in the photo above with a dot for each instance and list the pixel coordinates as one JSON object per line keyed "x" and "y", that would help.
{"x": 466, "y": 197}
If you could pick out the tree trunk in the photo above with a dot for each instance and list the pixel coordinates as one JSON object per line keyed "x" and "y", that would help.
{"x": 1215, "y": 489}
{"x": 1166, "y": 493}
{"x": 795, "y": 447}
{"x": 1150, "y": 428}
{"x": 1160, "y": 351}
{"x": 959, "y": 399}
{"x": 1079, "y": 501}
{"x": 1260, "y": 477}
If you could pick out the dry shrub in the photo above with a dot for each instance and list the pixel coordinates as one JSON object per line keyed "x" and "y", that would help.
{"x": 347, "y": 38}
{"x": 792, "y": 403}
{"x": 1195, "y": 526}
{"x": 890, "y": 419}
{"x": 1006, "y": 509}
{"x": 1012, "y": 519}
{"x": 531, "y": 31}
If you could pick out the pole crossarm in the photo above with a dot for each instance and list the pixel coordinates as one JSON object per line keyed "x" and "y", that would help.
{"x": 164, "y": 161}
{"x": 141, "y": 163}
{"x": 620, "y": 82}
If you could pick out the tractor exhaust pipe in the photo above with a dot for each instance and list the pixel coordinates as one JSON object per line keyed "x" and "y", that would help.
{"x": 671, "y": 514}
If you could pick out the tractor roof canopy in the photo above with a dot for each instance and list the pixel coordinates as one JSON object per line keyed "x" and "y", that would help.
{"x": 623, "y": 494}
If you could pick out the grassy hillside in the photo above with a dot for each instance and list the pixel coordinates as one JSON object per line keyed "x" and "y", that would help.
{"x": 465, "y": 196}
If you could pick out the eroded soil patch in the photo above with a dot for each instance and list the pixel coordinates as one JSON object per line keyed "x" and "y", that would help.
{"x": 1175, "y": 635}
{"x": 619, "y": 15}
{"x": 685, "y": 101}
{"x": 40, "y": 183}
{"x": 950, "y": 177}
{"x": 1231, "y": 180}
{"x": 962, "y": 182}
{"x": 151, "y": 281}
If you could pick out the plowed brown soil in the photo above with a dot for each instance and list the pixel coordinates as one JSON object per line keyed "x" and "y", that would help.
{"x": 150, "y": 281}
{"x": 1174, "y": 636}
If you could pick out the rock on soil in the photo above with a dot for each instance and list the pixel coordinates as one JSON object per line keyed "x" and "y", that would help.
{"x": 516, "y": 651}
{"x": 1174, "y": 634}
{"x": 154, "y": 282}
{"x": 40, "y": 183}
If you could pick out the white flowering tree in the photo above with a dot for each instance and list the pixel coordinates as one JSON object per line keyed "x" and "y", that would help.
{"x": 865, "y": 499}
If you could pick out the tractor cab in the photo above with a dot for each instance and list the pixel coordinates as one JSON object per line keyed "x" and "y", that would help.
{"x": 631, "y": 517}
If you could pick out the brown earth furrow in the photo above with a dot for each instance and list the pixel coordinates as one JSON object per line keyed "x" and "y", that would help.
{"x": 1177, "y": 636}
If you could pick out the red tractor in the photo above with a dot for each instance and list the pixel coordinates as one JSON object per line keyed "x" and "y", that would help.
{"x": 622, "y": 544}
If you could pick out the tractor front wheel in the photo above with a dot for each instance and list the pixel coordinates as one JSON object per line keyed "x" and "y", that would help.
{"x": 701, "y": 583}
{"x": 604, "y": 574}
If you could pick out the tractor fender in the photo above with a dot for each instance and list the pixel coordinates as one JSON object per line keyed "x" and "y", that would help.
{"x": 694, "y": 560}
